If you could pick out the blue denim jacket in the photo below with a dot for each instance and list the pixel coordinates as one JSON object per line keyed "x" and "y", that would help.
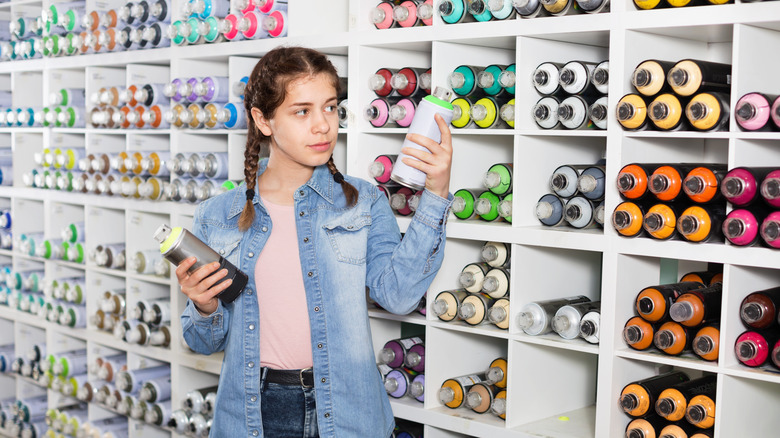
{"x": 342, "y": 250}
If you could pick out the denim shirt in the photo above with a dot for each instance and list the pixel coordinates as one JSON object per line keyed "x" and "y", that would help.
{"x": 342, "y": 250}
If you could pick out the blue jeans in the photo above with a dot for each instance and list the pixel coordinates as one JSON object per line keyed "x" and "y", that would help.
{"x": 288, "y": 411}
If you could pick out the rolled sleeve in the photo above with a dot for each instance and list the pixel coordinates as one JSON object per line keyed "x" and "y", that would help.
{"x": 399, "y": 274}
{"x": 433, "y": 210}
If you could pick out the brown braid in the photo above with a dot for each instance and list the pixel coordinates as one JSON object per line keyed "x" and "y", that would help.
{"x": 266, "y": 91}
{"x": 254, "y": 144}
{"x": 350, "y": 192}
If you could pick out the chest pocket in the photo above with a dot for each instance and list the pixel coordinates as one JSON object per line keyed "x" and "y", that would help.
{"x": 349, "y": 238}
{"x": 228, "y": 250}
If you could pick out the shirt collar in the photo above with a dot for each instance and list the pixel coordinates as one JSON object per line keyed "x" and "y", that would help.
{"x": 321, "y": 182}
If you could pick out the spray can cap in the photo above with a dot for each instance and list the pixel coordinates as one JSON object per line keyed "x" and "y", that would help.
{"x": 442, "y": 93}
{"x": 162, "y": 233}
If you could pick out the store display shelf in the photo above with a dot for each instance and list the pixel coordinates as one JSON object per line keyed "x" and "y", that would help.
{"x": 743, "y": 135}
{"x": 69, "y": 130}
{"x": 685, "y": 361}
{"x": 559, "y": 28}
{"x": 767, "y": 373}
{"x": 678, "y": 134}
{"x": 71, "y": 264}
{"x": 108, "y": 339}
{"x": 19, "y": 3}
{"x": 485, "y": 329}
{"x": 7, "y": 130}
{"x": 477, "y": 131}
{"x": 412, "y": 318}
{"x": 477, "y": 229}
{"x": 555, "y": 341}
{"x": 210, "y": 364}
{"x": 113, "y": 272}
{"x": 169, "y": 281}
{"x": 579, "y": 423}
{"x": 35, "y": 321}
{"x": 704, "y": 252}
{"x": 712, "y": 15}
{"x": 19, "y": 255}
{"x": 334, "y": 43}
{"x": 6, "y": 252}
{"x": 399, "y": 131}
{"x": 111, "y": 202}
{"x": 23, "y": 317}
{"x": 25, "y": 379}
{"x": 563, "y": 132}
{"x": 592, "y": 239}
{"x": 129, "y": 131}
{"x": 201, "y": 131}
{"x": 139, "y": 424}
{"x": 160, "y": 56}
{"x": 459, "y": 420}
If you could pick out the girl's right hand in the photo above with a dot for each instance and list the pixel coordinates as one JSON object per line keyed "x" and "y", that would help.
{"x": 199, "y": 286}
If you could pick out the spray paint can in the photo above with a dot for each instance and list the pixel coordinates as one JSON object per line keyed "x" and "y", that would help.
{"x": 423, "y": 124}
{"x": 178, "y": 243}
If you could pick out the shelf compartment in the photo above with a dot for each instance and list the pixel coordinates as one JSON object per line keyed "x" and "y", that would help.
{"x": 742, "y": 281}
{"x": 626, "y": 371}
{"x": 25, "y": 145}
{"x": 578, "y": 423}
{"x": 741, "y": 395}
{"x": 361, "y": 95}
{"x": 634, "y": 273}
{"x": 451, "y": 354}
{"x": 547, "y": 153}
{"x": 532, "y": 51}
{"x": 541, "y": 273}
{"x": 569, "y": 374}
{"x": 457, "y": 254}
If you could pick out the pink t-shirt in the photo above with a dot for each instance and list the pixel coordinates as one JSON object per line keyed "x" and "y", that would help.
{"x": 285, "y": 339}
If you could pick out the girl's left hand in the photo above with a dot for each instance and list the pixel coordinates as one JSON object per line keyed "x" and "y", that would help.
{"x": 437, "y": 163}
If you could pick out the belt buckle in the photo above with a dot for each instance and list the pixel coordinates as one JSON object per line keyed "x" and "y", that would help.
{"x": 300, "y": 377}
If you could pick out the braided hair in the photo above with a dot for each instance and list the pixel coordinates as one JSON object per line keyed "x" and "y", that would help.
{"x": 266, "y": 91}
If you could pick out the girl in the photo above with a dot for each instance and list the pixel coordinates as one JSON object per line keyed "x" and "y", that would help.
{"x": 299, "y": 359}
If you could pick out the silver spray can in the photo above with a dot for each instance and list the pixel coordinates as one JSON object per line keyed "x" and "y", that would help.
{"x": 177, "y": 244}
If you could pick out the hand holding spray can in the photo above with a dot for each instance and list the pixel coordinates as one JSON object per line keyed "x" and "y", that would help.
{"x": 424, "y": 124}
{"x": 177, "y": 244}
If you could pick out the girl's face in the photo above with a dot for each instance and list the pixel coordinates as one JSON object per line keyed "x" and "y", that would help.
{"x": 304, "y": 128}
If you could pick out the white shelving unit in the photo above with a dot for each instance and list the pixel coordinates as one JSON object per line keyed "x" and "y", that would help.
{"x": 556, "y": 388}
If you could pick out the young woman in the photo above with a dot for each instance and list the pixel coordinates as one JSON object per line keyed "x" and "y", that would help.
{"x": 299, "y": 359}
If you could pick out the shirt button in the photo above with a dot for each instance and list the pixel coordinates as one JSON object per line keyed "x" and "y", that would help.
{"x": 319, "y": 345}
{"x": 265, "y": 229}
{"x": 249, "y": 291}
{"x": 305, "y": 239}
{"x": 251, "y": 326}
{"x": 251, "y": 364}
{"x": 310, "y": 273}
{"x": 317, "y": 309}
{"x": 222, "y": 251}
{"x": 301, "y": 193}
{"x": 251, "y": 254}
{"x": 253, "y": 398}
{"x": 441, "y": 221}
{"x": 301, "y": 214}
{"x": 327, "y": 414}
{"x": 322, "y": 380}
{"x": 255, "y": 433}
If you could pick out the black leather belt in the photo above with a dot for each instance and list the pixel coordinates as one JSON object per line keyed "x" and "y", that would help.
{"x": 303, "y": 378}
